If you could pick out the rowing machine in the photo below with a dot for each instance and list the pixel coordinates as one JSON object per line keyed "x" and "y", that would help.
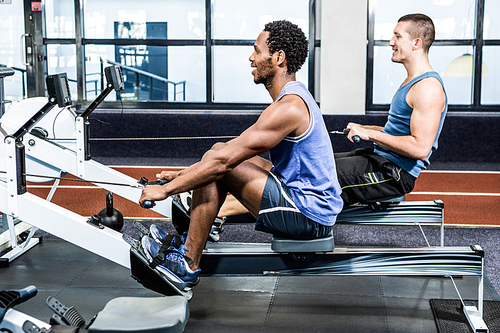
{"x": 122, "y": 314}
{"x": 57, "y": 143}
{"x": 396, "y": 211}
{"x": 321, "y": 257}
{"x": 393, "y": 211}
{"x": 19, "y": 205}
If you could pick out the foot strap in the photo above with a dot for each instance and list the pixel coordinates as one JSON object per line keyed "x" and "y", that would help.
{"x": 173, "y": 240}
{"x": 164, "y": 251}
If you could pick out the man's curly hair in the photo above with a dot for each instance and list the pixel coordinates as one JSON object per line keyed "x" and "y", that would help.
{"x": 289, "y": 38}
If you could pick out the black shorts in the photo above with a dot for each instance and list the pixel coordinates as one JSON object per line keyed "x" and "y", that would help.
{"x": 364, "y": 175}
{"x": 280, "y": 216}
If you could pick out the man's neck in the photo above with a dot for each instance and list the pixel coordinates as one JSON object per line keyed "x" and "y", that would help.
{"x": 416, "y": 67}
{"x": 278, "y": 83}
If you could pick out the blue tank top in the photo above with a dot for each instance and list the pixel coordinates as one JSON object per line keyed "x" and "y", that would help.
{"x": 398, "y": 124}
{"x": 306, "y": 164}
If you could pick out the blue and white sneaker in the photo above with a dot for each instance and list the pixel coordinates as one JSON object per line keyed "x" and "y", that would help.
{"x": 171, "y": 262}
{"x": 161, "y": 236}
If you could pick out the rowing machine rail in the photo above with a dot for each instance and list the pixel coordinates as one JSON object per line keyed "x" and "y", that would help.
{"x": 259, "y": 259}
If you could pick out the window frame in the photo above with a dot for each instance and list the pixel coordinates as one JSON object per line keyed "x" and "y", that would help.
{"x": 477, "y": 44}
{"x": 80, "y": 42}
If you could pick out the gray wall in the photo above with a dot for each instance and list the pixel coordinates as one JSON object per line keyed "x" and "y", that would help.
{"x": 343, "y": 56}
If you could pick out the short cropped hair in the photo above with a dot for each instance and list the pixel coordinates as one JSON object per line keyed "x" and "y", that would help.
{"x": 289, "y": 38}
{"x": 421, "y": 27}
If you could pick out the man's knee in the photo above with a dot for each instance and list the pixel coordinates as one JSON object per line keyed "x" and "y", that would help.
{"x": 216, "y": 147}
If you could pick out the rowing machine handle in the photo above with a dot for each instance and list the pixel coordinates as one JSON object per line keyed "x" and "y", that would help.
{"x": 147, "y": 204}
{"x": 144, "y": 181}
{"x": 26, "y": 293}
{"x": 355, "y": 138}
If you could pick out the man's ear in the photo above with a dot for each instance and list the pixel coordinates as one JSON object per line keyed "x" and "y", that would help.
{"x": 280, "y": 57}
{"x": 417, "y": 44}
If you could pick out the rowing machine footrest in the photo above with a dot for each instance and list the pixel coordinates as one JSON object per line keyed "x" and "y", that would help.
{"x": 143, "y": 314}
{"x": 325, "y": 244}
{"x": 149, "y": 277}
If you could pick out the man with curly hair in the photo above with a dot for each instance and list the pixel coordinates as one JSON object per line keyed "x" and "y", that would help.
{"x": 295, "y": 195}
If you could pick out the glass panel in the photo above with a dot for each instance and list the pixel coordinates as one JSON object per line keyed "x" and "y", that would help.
{"x": 127, "y": 19}
{"x": 491, "y": 23}
{"x": 59, "y": 18}
{"x": 148, "y": 66}
{"x": 453, "y": 19}
{"x": 12, "y": 27}
{"x": 233, "y": 81}
{"x": 491, "y": 79}
{"x": 388, "y": 76}
{"x": 239, "y": 20}
{"x": 458, "y": 88}
{"x": 62, "y": 59}
{"x": 188, "y": 63}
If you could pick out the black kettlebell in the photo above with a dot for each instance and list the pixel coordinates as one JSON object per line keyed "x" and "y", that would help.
{"x": 111, "y": 217}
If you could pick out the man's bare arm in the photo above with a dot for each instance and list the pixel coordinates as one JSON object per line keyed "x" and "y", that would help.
{"x": 277, "y": 121}
{"x": 428, "y": 101}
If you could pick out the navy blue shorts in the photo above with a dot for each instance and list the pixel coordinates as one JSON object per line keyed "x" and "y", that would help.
{"x": 279, "y": 215}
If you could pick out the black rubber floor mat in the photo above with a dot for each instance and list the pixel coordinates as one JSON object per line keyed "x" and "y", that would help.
{"x": 450, "y": 318}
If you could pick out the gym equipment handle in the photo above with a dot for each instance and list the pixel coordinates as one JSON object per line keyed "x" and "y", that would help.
{"x": 27, "y": 293}
{"x": 345, "y": 132}
{"x": 148, "y": 203}
{"x": 355, "y": 138}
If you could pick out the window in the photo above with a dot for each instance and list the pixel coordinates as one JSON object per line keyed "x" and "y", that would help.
{"x": 234, "y": 32}
{"x": 461, "y": 32}
{"x": 12, "y": 27}
{"x": 61, "y": 19}
{"x": 174, "y": 54}
{"x": 491, "y": 53}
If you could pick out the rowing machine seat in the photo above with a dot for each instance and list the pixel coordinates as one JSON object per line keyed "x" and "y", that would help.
{"x": 392, "y": 199}
{"x": 143, "y": 314}
{"x": 325, "y": 244}
{"x": 384, "y": 203}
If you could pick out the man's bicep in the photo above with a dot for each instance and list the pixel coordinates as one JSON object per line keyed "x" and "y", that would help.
{"x": 258, "y": 139}
{"x": 273, "y": 125}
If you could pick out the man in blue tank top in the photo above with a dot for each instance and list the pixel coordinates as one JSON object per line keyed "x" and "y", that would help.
{"x": 296, "y": 195}
{"x": 402, "y": 147}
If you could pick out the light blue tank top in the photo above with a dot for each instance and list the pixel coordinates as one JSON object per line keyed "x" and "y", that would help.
{"x": 306, "y": 164}
{"x": 398, "y": 124}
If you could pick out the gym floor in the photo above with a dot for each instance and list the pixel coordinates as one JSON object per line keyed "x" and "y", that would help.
{"x": 276, "y": 304}
{"x": 260, "y": 304}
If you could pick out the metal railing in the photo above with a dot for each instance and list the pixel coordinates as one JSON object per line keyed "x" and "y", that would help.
{"x": 152, "y": 77}
{"x": 138, "y": 73}
{"x": 23, "y": 77}
{"x": 94, "y": 82}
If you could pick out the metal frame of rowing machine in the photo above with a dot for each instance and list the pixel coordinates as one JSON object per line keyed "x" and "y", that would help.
{"x": 385, "y": 211}
{"x": 77, "y": 163}
{"x": 394, "y": 212}
{"x": 63, "y": 223}
{"x": 259, "y": 259}
{"x": 19, "y": 205}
